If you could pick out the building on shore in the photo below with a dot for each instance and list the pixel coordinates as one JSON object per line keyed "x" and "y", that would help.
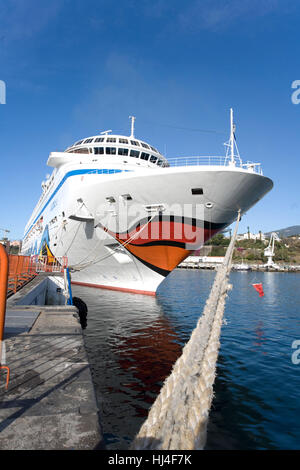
{"x": 251, "y": 236}
{"x": 15, "y": 246}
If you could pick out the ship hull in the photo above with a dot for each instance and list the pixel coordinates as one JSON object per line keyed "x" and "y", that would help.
{"x": 128, "y": 230}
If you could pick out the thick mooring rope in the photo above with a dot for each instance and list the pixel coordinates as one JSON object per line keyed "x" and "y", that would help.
{"x": 178, "y": 418}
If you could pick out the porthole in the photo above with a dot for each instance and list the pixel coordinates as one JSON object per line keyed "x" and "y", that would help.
{"x": 209, "y": 205}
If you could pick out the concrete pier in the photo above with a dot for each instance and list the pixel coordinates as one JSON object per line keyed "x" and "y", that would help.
{"x": 50, "y": 403}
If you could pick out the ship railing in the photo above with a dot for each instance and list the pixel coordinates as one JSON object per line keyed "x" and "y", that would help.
{"x": 222, "y": 161}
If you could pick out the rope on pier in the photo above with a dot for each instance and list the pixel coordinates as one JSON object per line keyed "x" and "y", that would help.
{"x": 178, "y": 418}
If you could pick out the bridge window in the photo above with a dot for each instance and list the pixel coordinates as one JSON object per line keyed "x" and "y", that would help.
{"x": 144, "y": 156}
{"x": 110, "y": 150}
{"x": 122, "y": 151}
{"x": 79, "y": 142}
{"x": 135, "y": 142}
{"x": 153, "y": 159}
{"x": 134, "y": 153}
{"x": 145, "y": 145}
{"x": 99, "y": 150}
{"x": 123, "y": 141}
{"x": 88, "y": 141}
{"x": 154, "y": 149}
{"x": 111, "y": 139}
{"x": 99, "y": 139}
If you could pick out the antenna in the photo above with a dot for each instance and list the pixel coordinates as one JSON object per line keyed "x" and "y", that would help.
{"x": 232, "y": 129}
{"x": 132, "y": 125}
{"x": 232, "y": 145}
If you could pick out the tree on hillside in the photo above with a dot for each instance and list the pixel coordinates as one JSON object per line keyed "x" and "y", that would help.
{"x": 218, "y": 240}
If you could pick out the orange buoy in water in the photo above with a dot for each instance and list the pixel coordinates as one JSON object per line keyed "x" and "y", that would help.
{"x": 259, "y": 289}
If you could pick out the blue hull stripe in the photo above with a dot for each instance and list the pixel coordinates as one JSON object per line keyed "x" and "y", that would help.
{"x": 102, "y": 171}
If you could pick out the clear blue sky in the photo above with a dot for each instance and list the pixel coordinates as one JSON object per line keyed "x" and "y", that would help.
{"x": 75, "y": 67}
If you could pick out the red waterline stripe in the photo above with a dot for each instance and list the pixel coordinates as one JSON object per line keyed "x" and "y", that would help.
{"x": 122, "y": 289}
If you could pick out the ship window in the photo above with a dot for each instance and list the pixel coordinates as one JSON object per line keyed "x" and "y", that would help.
{"x": 99, "y": 139}
{"x": 122, "y": 151}
{"x": 127, "y": 197}
{"x": 197, "y": 191}
{"x": 144, "y": 156}
{"x": 88, "y": 141}
{"x": 134, "y": 153}
{"x": 154, "y": 149}
{"x": 79, "y": 142}
{"x": 134, "y": 142}
{"x": 153, "y": 159}
{"x": 160, "y": 162}
{"x": 123, "y": 141}
{"x": 110, "y": 150}
{"x": 111, "y": 139}
{"x": 82, "y": 150}
{"x": 99, "y": 150}
{"x": 145, "y": 145}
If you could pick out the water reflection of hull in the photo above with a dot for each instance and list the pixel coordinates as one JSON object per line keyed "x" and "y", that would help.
{"x": 149, "y": 354}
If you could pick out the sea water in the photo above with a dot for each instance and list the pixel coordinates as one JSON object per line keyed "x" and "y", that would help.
{"x": 133, "y": 341}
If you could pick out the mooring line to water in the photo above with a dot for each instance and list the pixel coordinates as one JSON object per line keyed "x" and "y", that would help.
{"x": 178, "y": 418}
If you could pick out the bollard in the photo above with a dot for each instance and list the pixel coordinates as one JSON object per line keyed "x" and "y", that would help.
{"x": 3, "y": 296}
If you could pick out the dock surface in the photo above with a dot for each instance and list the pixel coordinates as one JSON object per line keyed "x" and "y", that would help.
{"x": 50, "y": 403}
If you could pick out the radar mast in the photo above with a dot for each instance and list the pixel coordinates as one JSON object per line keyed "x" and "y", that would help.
{"x": 132, "y": 125}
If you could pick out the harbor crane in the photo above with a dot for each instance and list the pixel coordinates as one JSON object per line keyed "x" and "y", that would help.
{"x": 270, "y": 251}
{"x": 4, "y": 230}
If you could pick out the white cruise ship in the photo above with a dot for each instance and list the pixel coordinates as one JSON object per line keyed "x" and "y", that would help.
{"x": 125, "y": 216}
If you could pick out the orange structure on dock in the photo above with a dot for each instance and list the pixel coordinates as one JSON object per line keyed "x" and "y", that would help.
{"x": 24, "y": 268}
{"x": 21, "y": 270}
